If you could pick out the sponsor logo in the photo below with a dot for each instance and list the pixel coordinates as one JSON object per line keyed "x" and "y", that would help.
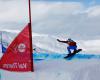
{"x": 16, "y": 65}
{"x": 21, "y": 47}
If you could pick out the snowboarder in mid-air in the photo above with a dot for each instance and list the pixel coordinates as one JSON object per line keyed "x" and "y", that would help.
{"x": 72, "y": 45}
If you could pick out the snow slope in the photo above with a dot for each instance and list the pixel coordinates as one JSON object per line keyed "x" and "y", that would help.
{"x": 48, "y": 43}
{"x": 58, "y": 69}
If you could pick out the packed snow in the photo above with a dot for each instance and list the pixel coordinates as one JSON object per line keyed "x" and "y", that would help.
{"x": 58, "y": 69}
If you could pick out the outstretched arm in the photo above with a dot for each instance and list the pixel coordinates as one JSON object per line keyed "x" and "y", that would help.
{"x": 62, "y": 41}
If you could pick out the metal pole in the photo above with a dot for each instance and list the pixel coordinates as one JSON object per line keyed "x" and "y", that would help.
{"x": 30, "y": 33}
{"x": 29, "y": 11}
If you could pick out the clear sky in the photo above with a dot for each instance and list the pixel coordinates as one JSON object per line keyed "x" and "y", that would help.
{"x": 75, "y": 18}
{"x": 83, "y": 1}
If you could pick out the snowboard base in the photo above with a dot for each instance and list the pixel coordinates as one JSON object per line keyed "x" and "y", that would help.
{"x": 72, "y": 54}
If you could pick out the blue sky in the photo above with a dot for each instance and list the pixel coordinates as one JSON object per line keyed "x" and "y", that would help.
{"x": 84, "y": 1}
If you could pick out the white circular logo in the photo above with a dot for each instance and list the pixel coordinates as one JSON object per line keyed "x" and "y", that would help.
{"x": 21, "y": 47}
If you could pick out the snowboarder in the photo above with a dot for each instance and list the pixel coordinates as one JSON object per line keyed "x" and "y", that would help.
{"x": 71, "y": 45}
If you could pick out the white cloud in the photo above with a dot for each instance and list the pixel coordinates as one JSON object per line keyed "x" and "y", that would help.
{"x": 59, "y": 8}
{"x": 13, "y": 11}
{"x": 94, "y": 11}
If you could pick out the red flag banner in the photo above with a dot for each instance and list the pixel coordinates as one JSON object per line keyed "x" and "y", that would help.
{"x": 18, "y": 56}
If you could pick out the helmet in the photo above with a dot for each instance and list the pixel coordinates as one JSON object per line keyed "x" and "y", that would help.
{"x": 69, "y": 39}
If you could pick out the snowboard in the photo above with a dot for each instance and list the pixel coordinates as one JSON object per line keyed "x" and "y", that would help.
{"x": 69, "y": 56}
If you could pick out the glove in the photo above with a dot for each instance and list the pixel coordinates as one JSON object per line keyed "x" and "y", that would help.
{"x": 58, "y": 40}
